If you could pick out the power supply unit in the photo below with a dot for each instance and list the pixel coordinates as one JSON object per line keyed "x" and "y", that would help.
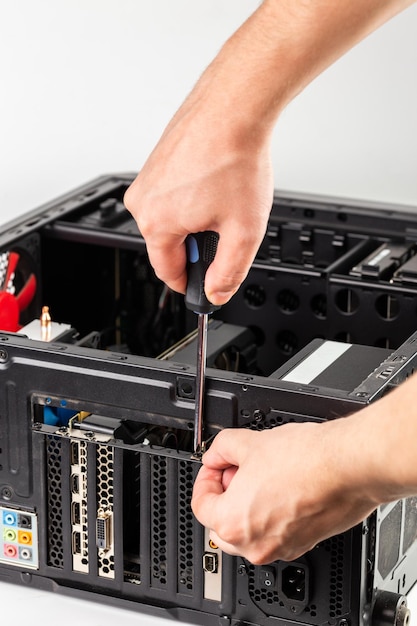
{"x": 97, "y": 375}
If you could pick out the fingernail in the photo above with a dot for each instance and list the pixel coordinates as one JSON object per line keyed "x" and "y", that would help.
{"x": 220, "y": 297}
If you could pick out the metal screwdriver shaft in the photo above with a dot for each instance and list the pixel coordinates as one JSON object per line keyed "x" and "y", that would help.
{"x": 201, "y": 250}
{"x": 200, "y": 378}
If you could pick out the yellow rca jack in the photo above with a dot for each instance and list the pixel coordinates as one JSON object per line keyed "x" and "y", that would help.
{"x": 212, "y": 545}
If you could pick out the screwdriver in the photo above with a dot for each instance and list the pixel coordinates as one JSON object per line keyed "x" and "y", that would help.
{"x": 201, "y": 250}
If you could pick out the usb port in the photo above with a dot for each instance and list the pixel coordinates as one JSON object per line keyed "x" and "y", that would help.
{"x": 210, "y": 562}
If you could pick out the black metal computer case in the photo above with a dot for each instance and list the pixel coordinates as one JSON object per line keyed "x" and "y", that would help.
{"x": 97, "y": 405}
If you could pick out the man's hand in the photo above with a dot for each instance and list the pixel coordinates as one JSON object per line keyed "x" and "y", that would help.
{"x": 275, "y": 494}
{"x": 199, "y": 178}
{"x": 211, "y": 169}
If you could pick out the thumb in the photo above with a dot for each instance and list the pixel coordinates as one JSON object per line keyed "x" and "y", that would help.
{"x": 229, "y": 448}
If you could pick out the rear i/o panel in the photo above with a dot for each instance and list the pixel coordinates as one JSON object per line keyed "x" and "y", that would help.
{"x": 18, "y": 538}
{"x": 97, "y": 375}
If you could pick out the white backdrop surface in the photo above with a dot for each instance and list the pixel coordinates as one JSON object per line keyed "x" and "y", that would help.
{"x": 87, "y": 87}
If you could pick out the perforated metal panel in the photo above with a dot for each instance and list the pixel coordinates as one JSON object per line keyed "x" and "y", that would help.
{"x": 54, "y": 503}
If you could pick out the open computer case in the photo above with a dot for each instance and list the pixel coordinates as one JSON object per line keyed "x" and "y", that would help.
{"x": 97, "y": 380}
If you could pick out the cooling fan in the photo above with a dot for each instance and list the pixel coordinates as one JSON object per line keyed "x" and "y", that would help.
{"x": 18, "y": 288}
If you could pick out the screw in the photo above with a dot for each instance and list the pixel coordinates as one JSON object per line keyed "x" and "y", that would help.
{"x": 26, "y": 577}
{"x": 3, "y": 355}
{"x": 258, "y": 415}
{"x": 6, "y": 493}
{"x": 241, "y": 570}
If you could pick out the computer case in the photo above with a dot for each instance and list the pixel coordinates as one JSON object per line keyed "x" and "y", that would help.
{"x": 97, "y": 375}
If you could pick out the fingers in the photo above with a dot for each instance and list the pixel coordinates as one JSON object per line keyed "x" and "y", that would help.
{"x": 207, "y": 491}
{"x": 234, "y": 257}
{"x": 228, "y": 475}
{"x": 236, "y": 251}
{"x": 220, "y": 464}
{"x": 229, "y": 448}
{"x": 168, "y": 258}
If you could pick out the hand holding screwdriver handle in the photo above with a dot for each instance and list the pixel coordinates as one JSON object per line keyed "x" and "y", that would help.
{"x": 201, "y": 250}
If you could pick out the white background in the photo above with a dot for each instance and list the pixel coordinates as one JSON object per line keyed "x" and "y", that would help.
{"x": 87, "y": 87}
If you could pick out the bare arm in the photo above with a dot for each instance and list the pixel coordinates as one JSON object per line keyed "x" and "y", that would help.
{"x": 211, "y": 168}
{"x": 276, "y": 494}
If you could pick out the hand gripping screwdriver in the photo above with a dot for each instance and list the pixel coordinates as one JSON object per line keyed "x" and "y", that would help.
{"x": 201, "y": 250}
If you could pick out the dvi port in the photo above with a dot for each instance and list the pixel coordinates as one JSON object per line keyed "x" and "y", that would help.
{"x": 103, "y": 529}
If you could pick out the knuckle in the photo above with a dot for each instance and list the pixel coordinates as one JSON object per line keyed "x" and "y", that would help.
{"x": 258, "y": 557}
{"x": 231, "y": 280}
{"x": 230, "y": 532}
{"x": 127, "y": 198}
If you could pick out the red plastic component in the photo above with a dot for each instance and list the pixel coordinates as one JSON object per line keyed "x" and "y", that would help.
{"x": 11, "y": 304}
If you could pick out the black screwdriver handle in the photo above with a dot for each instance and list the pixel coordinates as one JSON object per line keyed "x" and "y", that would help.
{"x": 201, "y": 250}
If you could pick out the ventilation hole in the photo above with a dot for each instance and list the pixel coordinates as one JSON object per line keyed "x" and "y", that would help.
{"x": 287, "y": 342}
{"x": 384, "y": 342}
{"x": 347, "y": 301}
{"x": 288, "y": 301}
{"x": 319, "y": 305}
{"x": 387, "y": 306}
{"x": 344, "y": 336}
{"x": 55, "y": 537}
{"x": 185, "y": 525}
{"x": 254, "y": 296}
{"x": 259, "y": 335}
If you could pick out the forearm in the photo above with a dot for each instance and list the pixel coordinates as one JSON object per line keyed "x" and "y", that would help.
{"x": 332, "y": 476}
{"x": 383, "y": 443}
{"x": 212, "y": 168}
{"x": 280, "y": 49}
